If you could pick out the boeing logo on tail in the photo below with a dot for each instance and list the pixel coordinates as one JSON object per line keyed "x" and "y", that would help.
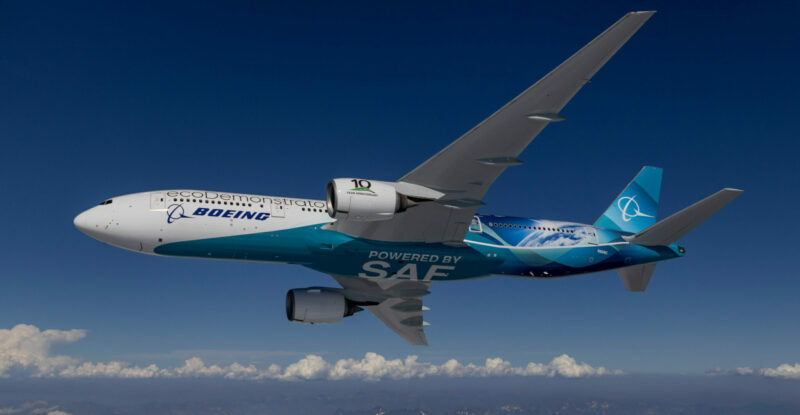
{"x": 631, "y": 208}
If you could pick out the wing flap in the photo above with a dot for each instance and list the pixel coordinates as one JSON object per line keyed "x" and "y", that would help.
{"x": 399, "y": 303}
{"x": 409, "y": 324}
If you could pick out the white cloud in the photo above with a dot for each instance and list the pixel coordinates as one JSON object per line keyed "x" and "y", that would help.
{"x": 33, "y": 408}
{"x": 25, "y": 347}
{"x": 784, "y": 371}
{"x": 25, "y": 350}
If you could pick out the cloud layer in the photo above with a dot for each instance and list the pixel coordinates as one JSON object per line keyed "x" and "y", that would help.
{"x": 783, "y": 371}
{"x": 35, "y": 407}
{"x": 26, "y": 351}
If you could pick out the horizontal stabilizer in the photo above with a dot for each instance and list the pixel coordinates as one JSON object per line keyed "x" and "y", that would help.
{"x": 637, "y": 277}
{"x": 676, "y": 226}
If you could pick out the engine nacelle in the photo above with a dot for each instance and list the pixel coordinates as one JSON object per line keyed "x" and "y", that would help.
{"x": 364, "y": 200}
{"x": 318, "y": 305}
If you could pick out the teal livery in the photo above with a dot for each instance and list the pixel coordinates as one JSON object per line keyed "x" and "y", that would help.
{"x": 499, "y": 245}
{"x": 503, "y": 246}
{"x": 636, "y": 207}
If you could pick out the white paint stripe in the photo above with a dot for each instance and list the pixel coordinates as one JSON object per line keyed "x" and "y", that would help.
{"x": 544, "y": 247}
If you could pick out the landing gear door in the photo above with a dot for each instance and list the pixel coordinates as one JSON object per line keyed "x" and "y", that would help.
{"x": 158, "y": 201}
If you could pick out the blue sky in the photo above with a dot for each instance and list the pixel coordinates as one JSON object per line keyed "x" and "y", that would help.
{"x": 106, "y": 99}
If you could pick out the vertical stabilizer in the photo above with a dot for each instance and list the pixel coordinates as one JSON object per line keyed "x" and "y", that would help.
{"x": 636, "y": 207}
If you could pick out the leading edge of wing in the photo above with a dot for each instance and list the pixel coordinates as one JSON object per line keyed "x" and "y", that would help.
{"x": 511, "y": 128}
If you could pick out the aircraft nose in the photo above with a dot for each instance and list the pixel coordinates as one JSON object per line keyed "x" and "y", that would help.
{"x": 83, "y": 222}
{"x": 118, "y": 221}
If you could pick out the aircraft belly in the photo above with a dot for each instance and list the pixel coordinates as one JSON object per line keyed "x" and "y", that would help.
{"x": 574, "y": 257}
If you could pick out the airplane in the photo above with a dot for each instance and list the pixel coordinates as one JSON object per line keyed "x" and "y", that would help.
{"x": 387, "y": 242}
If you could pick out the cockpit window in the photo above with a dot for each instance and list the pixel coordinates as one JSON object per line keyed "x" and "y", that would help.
{"x": 106, "y": 202}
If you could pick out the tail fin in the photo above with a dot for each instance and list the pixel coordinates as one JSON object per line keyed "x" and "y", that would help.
{"x": 674, "y": 227}
{"x": 636, "y": 207}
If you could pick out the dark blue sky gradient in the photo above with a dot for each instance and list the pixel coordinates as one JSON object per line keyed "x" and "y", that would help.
{"x": 103, "y": 99}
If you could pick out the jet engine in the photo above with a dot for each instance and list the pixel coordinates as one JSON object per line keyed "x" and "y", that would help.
{"x": 364, "y": 200}
{"x": 318, "y": 305}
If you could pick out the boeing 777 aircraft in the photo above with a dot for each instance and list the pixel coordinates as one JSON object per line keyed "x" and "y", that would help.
{"x": 386, "y": 243}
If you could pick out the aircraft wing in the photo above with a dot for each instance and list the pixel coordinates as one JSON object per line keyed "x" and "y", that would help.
{"x": 399, "y": 303}
{"x": 465, "y": 169}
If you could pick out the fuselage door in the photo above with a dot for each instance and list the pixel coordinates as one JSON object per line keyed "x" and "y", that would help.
{"x": 591, "y": 235}
{"x": 158, "y": 201}
{"x": 475, "y": 226}
{"x": 278, "y": 210}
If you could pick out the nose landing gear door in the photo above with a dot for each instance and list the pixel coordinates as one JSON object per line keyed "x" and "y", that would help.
{"x": 158, "y": 201}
